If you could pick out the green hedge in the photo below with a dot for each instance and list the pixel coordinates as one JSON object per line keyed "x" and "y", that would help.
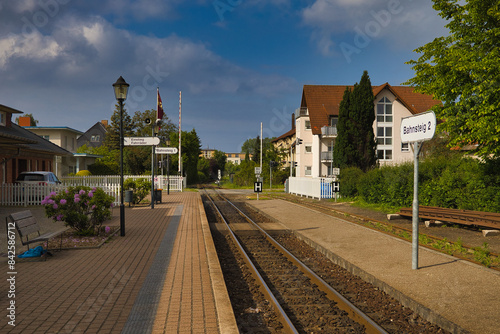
{"x": 459, "y": 183}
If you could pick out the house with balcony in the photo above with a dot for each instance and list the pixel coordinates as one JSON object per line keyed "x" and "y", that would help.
{"x": 316, "y": 125}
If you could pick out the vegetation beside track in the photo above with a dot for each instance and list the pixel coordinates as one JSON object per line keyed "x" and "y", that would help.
{"x": 480, "y": 255}
{"x": 449, "y": 182}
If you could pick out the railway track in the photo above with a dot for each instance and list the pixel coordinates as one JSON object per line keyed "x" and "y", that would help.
{"x": 305, "y": 303}
{"x": 463, "y": 217}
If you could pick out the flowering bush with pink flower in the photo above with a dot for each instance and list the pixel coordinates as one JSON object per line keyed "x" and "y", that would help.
{"x": 82, "y": 208}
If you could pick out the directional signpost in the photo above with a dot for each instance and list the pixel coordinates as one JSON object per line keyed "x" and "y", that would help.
{"x": 141, "y": 141}
{"x": 166, "y": 150}
{"x": 417, "y": 129}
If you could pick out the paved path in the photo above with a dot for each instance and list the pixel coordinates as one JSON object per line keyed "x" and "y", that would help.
{"x": 157, "y": 278}
{"x": 448, "y": 290}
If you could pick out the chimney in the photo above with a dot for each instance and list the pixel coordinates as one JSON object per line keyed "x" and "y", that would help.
{"x": 24, "y": 121}
{"x": 104, "y": 122}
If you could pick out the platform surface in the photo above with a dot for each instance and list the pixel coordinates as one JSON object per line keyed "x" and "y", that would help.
{"x": 163, "y": 276}
{"x": 451, "y": 290}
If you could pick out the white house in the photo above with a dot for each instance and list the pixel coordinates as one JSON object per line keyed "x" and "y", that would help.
{"x": 65, "y": 138}
{"x": 316, "y": 125}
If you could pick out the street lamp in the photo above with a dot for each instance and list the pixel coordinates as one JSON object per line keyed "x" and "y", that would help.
{"x": 121, "y": 89}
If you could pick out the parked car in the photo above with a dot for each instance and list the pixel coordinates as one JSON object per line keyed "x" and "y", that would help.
{"x": 34, "y": 186}
{"x": 38, "y": 178}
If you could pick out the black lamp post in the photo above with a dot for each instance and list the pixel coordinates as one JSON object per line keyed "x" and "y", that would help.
{"x": 121, "y": 89}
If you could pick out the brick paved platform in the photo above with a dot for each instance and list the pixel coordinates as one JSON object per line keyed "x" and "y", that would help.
{"x": 163, "y": 276}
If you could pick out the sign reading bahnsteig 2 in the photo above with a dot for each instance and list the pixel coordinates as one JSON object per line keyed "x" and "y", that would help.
{"x": 418, "y": 128}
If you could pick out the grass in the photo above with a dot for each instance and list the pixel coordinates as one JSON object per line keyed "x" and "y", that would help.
{"x": 384, "y": 208}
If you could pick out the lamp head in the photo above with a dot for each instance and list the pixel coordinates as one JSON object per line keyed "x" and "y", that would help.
{"x": 121, "y": 89}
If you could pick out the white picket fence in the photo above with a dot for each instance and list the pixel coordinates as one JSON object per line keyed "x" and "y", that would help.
{"x": 311, "y": 187}
{"x": 13, "y": 194}
{"x": 177, "y": 183}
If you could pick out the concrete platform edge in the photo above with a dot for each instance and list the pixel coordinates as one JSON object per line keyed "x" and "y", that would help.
{"x": 424, "y": 312}
{"x": 225, "y": 314}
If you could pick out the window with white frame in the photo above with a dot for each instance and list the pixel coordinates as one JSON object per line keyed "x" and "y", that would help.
{"x": 307, "y": 124}
{"x": 405, "y": 147}
{"x": 308, "y": 148}
{"x": 334, "y": 120}
{"x": 308, "y": 171}
{"x": 95, "y": 138}
{"x": 384, "y": 129}
{"x": 3, "y": 118}
{"x": 384, "y": 110}
{"x": 384, "y": 135}
{"x": 384, "y": 154}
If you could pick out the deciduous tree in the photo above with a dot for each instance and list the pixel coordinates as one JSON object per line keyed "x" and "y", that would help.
{"x": 463, "y": 71}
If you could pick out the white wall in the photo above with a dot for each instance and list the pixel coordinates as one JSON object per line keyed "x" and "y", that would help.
{"x": 398, "y": 111}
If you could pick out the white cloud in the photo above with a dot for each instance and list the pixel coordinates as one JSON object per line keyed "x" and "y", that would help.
{"x": 82, "y": 57}
{"x": 36, "y": 48}
{"x": 399, "y": 23}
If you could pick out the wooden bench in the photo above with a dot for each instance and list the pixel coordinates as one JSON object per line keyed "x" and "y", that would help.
{"x": 27, "y": 225}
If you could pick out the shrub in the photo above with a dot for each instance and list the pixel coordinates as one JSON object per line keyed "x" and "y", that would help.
{"x": 141, "y": 188}
{"x": 81, "y": 208}
{"x": 349, "y": 179}
{"x": 371, "y": 186}
{"x": 83, "y": 172}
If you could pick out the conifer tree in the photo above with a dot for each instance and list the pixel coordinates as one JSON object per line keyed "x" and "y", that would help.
{"x": 355, "y": 144}
{"x": 112, "y": 139}
{"x": 363, "y": 114}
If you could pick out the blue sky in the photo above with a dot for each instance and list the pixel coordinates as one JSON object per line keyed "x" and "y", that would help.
{"x": 237, "y": 62}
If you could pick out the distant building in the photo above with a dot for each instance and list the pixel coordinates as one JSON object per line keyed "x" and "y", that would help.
{"x": 207, "y": 153}
{"x": 66, "y": 138}
{"x": 236, "y": 158}
{"x": 285, "y": 144}
{"x": 93, "y": 137}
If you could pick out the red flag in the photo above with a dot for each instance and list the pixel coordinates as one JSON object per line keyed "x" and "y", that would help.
{"x": 159, "y": 109}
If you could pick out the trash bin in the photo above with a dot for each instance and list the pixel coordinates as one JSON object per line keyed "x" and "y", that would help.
{"x": 158, "y": 195}
{"x": 129, "y": 196}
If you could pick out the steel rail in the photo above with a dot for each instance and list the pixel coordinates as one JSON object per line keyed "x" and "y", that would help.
{"x": 288, "y": 326}
{"x": 342, "y": 303}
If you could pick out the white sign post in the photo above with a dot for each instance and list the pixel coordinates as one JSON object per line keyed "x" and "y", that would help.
{"x": 141, "y": 141}
{"x": 417, "y": 129}
{"x": 166, "y": 150}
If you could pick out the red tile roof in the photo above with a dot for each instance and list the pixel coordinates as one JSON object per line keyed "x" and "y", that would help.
{"x": 322, "y": 101}
{"x": 290, "y": 133}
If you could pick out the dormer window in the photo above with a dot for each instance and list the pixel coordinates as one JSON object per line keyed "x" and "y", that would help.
{"x": 334, "y": 120}
{"x": 384, "y": 110}
{"x": 3, "y": 118}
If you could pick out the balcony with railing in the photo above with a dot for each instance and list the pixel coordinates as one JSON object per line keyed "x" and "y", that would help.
{"x": 301, "y": 112}
{"x": 326, "y": 156}
{"x": 329, "y": 132}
